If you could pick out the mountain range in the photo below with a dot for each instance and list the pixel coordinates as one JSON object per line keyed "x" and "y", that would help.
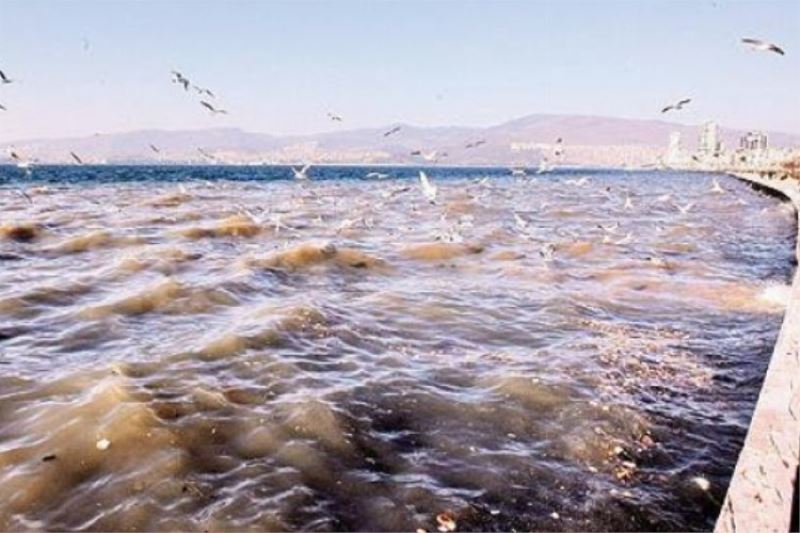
{"x": 585, "y": 140}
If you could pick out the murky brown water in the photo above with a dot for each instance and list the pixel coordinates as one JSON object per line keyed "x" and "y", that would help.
{"x": 340, "y": 354}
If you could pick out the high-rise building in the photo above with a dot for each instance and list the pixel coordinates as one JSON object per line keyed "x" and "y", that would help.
{"x": 754, "y": 140}
{"x": 709, "y": 144}
{"x": 674, "y": 150}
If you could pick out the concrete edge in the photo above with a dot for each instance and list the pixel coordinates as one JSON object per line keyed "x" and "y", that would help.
{"x": 764, "y": 483}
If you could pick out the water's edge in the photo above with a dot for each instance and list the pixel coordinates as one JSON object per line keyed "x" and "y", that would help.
{"x": 764, "y": 484}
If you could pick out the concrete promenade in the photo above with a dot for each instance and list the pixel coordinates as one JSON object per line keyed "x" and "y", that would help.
{"x": 765, "y": 481}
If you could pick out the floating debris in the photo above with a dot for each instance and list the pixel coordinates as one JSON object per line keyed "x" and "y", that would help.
{"x": 446, "y": 522}
{"x": 701, "y": 482}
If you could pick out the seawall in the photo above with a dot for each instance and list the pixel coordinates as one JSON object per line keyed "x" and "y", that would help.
{"x": 763, "y": 489}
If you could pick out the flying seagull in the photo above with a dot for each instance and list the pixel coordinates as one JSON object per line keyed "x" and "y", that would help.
{"x": 716, "y": 187}
{"x": 153, "y": 148}
{"x": 5, "y": 79}
{"x": 76, "y": 158}
{"x": 302, "y": 173}
{"x": 206, "y": 154}
{"x": 180, "y": 78}
{"x": 763, "y": 46}
{"x": 392, "y": 131}
{"x": 427, "y": 189}
{"x": 475, "y": 144}
{"x": 211, "y": 108}
{"x": 201, "y": 90}
{"x": 334, "y": 117}
{"x": 677, "y": 106}
{"x": 3, "y": 107}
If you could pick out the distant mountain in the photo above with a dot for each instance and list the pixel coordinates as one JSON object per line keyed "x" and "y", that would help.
{"x": 586, "y": 140}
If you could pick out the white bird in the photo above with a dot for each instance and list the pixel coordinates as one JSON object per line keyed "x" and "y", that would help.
{"x": 578, "y": 182}
{"x": 378, "y": 175}
{"x": 684, "y": 209}
{"x": 547, "y": 251}
{"x": 609, "y": 229}
{"x": 626, "y": 239}
{"x": 334, "y": 117}
{"x": 664, "y": 198}
{"x": 430, "y": 156}
{"x": 628, "y": 202}
{"x": 544, "y": 166}
{"x": 522, "y": 224}
{"x": 717, "y": 188}
{"x": 519, "y": 172}
{"x": 302, "y": 173}
{"x": 428, "y": 189}
{"x": 762, "y": 46}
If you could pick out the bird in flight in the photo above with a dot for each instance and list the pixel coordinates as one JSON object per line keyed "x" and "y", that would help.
{"x": 763, "y": 46}
{"x": 3, "y": 107}
{"x": 206, "y": 154}
{"x": 201, "y": 90}
{"x": 334, "y": 117}
{"x": 211, "y": 108}
{"x": 392, "y": 131}
{"x": 177, "y": 77}
{"x": 475, "y": 144}
{"x": 76, "y": 158}
{"x": 4, "y": 79}
{"x": 677, "y": 106}
{"x": 155, "y": 149}
{"x": 428, "y": 189}
{"x": 302, "y": 173}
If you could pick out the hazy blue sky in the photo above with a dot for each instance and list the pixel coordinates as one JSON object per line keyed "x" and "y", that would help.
{"x": 278, "y": 67}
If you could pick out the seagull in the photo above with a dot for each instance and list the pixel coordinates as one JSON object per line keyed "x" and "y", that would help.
{"x": 76, "y": 158}
{"x": 684, "y": 209}
{"x": 430, "y": 156}
{"x": 153, "y": 148}
{"x": 3, "y": 107}
{"x": 211, "y": 108}
{"x": 334, "y": 117}
{"x": 427, "y": 189}
{"x": 180, "y": 78}
{"x": 392, "y": 131}
{"x": 717, "y": 187}
{"x": 547, "y": 250}
{"x": 200, "y": 90}
{"x": 4, "y": 79}
{"x": 626, "y": 239}
{"x": 677, "y": 106}
{"x": 558, "y": 151}
{"x": 522, "y": 224}
{"x": 628, "y": 202}
{"x": 475, "y": 144}
{"x": 378, "y": 175}
{"x": 206, "y": 154}
{"x": 609, "y": 229}
{"x": 578, "y": 182}
{"x": 301, "y": 174}
{"x": 762, "y": 46}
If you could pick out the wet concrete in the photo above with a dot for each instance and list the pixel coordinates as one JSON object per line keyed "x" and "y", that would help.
{"x": 763, "y": 492}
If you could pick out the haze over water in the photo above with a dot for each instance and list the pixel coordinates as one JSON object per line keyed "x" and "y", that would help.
{"x": 259, "y": 353}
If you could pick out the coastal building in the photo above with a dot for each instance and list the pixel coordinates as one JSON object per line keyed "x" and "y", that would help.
{"x": 753, "y": 141}
{"x": 709, "y": 144}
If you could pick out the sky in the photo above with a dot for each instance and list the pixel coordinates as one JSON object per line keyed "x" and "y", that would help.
{"x": 84, "y": 67}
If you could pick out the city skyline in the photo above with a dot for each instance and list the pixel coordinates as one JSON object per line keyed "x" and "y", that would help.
{"x": 279, "y": 68}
